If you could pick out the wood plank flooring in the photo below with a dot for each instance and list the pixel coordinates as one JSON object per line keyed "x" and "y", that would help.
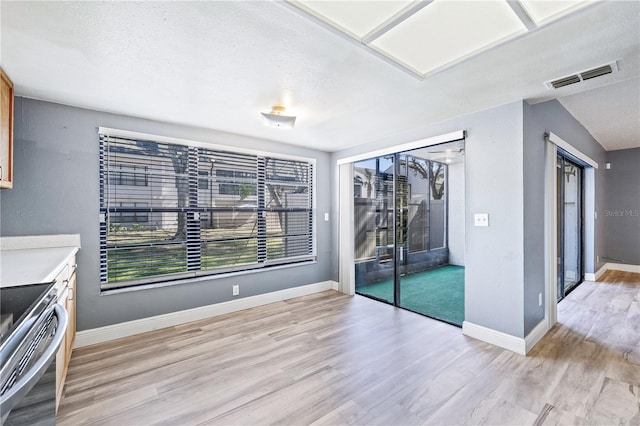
{"x": 332, "y": 359}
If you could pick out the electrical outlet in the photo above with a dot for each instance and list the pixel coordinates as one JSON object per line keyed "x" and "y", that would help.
{"x": 481, "y": 219}
{"x": 597, "y": 258}
{"x": 236, "y": 290}
{"x": 539, "y": 299}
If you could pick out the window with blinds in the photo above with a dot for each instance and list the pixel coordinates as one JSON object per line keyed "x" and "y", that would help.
{"x": 173, "y": 211}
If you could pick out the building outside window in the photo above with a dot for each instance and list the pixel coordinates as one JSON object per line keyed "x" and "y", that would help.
{"x": 129, "y": 174}
{"x": 133, "y": 216}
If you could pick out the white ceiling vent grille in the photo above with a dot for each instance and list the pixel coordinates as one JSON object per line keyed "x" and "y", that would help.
{"x": 565, "y": 81}
{"x": 583, "y": 75}
{"x": 596, "y": 72}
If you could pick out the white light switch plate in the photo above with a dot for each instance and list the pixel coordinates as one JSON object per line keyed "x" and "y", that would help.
{"x": 326, "y": 217}
{"x": 481, "y": 219}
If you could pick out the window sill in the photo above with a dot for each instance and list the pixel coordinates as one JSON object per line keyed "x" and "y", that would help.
{"x": 202, "y": 278}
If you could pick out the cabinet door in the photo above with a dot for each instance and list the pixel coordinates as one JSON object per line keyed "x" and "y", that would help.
{"x": 71, "y": 310}
{"x": 6, "y": 131}
{"x": 61, "y": 356}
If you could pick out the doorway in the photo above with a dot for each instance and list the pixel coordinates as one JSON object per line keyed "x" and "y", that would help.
{"x": 409, "y": 230}
{"x": 570, "y": 219}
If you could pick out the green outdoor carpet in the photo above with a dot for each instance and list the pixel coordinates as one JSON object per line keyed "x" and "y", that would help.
{"x": 438, "y": 293}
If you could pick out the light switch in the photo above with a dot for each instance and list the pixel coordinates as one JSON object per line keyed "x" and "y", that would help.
{"x": 481, "y": 219}
{"x": 326, "y": 217}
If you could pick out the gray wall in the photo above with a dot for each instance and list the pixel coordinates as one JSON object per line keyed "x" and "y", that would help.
{"x": 621, "y": 216}
{"x": 493, "y": 184}
{"x": 504, "y": 176}
{"x": 456, "y": 213}
{"x": 56, "y": 191}
{"x": 551, "y": 116}
{"x": 533, "y": 187}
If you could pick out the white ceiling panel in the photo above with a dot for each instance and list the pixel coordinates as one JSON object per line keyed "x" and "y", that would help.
{"x": 541, "y": 11}
{"x": 357, "y": 17}
{"x": 447, "y": 31}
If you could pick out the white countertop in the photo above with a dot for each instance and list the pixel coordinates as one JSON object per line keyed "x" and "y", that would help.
{"x": 32, "y": 265}
{"x": 36, "y": 258}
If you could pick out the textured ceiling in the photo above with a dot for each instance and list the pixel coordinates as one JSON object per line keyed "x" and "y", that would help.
{"x": 611, "y": 114}
{"x": 219, "y": 64}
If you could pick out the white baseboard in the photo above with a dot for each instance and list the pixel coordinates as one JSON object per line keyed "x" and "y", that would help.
{"x": 595, "y": 277}
{"x": 514, "y": 344}
{"x": 612, "y": 267}
{"x": 130, "y": 328}
{"x": 600, "y": 272}
{"x": 497, "y": 338}
{"x": 622, "y": 267}
{"x": 535, "y": 335}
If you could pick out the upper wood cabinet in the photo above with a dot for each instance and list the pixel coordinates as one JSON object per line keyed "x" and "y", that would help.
{"x": 6, "y": 131}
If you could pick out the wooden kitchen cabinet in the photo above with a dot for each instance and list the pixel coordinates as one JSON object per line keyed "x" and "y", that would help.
{"x": 6, "y": 131}
{"x": 71, "y": 310}
{"x": 66, "y": 282}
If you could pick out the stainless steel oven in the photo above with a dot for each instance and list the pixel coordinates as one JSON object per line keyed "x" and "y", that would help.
{"x": 27, "y": 353}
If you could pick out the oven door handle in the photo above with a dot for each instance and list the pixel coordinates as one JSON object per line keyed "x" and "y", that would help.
{"x": 15, "y": 394}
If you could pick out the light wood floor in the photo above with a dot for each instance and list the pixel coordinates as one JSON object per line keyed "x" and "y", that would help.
{"x": 334, "y": 359}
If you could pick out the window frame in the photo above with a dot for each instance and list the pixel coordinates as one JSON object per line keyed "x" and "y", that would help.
{"x": 198, "y": 275}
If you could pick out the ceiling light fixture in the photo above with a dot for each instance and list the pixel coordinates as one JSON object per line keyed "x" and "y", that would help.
{"x": 276, "y": 118}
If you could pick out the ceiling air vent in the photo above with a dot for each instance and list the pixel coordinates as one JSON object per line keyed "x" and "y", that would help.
{"x": 583, "y": 75}
{"x": 565, "y": 81}
{"x": 596, "y": 72}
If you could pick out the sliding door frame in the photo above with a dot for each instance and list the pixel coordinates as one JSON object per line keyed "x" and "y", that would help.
{"x": 397, "y": 256}
{"x": 579, "y": 215}
{"x": 553, "y": 142}
{"x": 346, "y": 256}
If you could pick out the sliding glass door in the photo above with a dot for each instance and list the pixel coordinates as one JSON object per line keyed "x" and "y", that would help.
{"x": 570, "y": 219}
{"x": 374, "y": 227}
{"x": 401, "y": 231}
